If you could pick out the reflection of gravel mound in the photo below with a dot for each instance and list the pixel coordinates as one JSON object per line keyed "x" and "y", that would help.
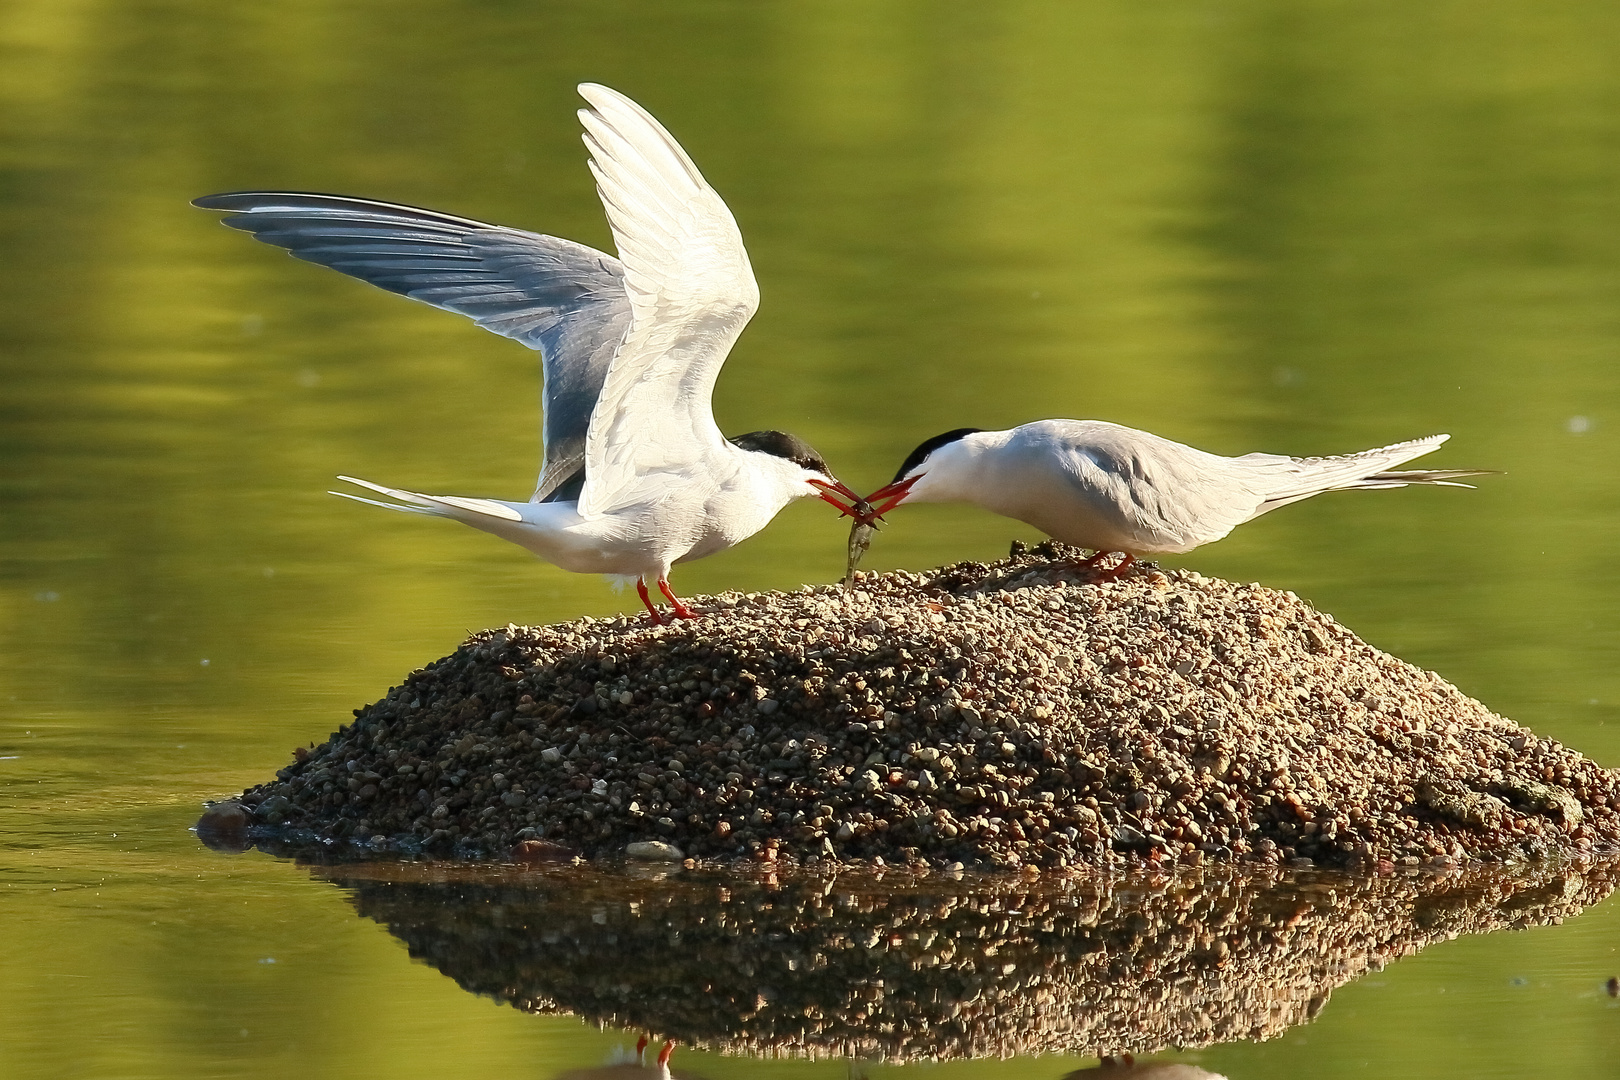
{"x": 936, "y": 968}
{"x": 1015, "y": 713}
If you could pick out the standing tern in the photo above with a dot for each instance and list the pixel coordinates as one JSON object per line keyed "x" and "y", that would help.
{"x": 1120, "y": 491}
{"x": 636, "y": 476}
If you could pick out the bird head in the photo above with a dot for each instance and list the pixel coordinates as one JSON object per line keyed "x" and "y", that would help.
{"x": 913, "y": 469}
{"x": 805, "y": 470}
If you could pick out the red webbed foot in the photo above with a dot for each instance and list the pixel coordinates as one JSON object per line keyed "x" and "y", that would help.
{"x": 677, "y": 609}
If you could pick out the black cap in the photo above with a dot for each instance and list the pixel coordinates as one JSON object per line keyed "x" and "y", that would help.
{"x": 928, "y": 446}
{"x": 781, "y": 444}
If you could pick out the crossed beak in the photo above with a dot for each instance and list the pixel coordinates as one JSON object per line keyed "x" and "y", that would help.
{"x": 882, "y": 501}
{"x": 871, "y": 508}
{"x": 833, "y": 491}
{"x": 888, "y": 497}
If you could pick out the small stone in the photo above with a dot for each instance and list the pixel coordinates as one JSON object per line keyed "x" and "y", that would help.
{"x": 1128, "y": 836}
{"x": 223, "y": 826}
{"x": 654, "y": 851}
{"x": 1545, "y": 798}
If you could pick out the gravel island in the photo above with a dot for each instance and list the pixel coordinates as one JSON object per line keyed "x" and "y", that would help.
{"x": 1017, "y": 714}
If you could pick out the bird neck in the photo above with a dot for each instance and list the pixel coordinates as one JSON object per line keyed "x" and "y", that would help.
{"x": 772, "y": 481}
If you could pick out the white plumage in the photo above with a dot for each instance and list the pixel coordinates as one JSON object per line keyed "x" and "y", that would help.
{"x": 637, "y": 477}
{"x": 1115, "y": 489}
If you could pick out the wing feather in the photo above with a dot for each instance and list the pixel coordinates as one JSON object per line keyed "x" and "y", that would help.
{"x": 691, "y": 291}
{"x": 564, "y": 299}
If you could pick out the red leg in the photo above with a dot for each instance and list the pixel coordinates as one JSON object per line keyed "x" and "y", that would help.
{"x": 1113, "y": 572}
{"x": 1094, "y": 562}
{"x": 678, "y": 609}
{"x": 663, "y": 1055}
{"x": 641, "y": 591}
{"x": 641, "y": 1048}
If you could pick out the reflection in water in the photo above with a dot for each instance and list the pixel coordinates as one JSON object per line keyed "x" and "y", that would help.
{"x": 633, "y": 1066}
{"x": 1126, "y": 1069}
{"x": 873, "y": 967}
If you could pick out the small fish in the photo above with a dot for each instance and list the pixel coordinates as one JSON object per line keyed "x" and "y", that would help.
{"x": 860, "y": 538}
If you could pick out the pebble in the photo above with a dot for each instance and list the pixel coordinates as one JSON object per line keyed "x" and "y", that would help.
{"x": 1046, "y": 720}
{"x": 654, "y": 851}
{"x": 224, "y": 826}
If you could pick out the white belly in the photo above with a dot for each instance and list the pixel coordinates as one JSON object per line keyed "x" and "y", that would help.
{"x": 640, "y": 540}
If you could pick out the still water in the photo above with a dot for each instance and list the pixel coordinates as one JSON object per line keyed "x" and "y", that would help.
{"x": 1304, "y": 227}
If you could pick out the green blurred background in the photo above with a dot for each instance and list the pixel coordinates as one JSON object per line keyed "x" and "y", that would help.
{"x": 1300, "y": 226}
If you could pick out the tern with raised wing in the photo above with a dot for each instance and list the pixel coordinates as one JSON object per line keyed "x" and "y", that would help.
{"x": 1116, "y": 490}
{"x": 636, "y": 476}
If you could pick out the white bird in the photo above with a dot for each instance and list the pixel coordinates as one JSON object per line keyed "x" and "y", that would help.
{"x": 1117, "y": 490}
{"x": 636, "y": 475}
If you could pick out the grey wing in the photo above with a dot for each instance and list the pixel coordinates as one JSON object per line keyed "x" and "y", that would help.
{"x": 564, "y": 299}
{"x": 1168, "y": 496}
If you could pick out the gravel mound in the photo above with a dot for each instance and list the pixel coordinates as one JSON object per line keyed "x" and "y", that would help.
{"x": 870, "y": 967}
{"x": 1020, "y": 713}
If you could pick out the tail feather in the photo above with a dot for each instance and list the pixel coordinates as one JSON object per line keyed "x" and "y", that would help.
{"x": 392, "y": 493}
{"x": 414, "y": 502}
{"x": 1431, "y": 476}
{"x": 402, "y": 507}
{"x": 1367, "y": 470}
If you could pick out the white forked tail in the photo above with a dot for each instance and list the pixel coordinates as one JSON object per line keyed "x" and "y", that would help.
{"x": 1366, "y": 470}
{"x": 457, "y": 507}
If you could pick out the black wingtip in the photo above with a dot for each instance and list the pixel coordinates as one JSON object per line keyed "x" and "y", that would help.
{"x": 328, "y": 205}
{"x": 235, "y": 201}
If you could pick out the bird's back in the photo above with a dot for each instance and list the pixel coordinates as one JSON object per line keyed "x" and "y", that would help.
{"x": 1109, "y": 487}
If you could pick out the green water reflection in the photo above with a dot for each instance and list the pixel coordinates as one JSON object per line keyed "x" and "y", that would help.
{"x": 1297, "y": 225}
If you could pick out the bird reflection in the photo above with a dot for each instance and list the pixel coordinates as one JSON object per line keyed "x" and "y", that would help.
{"x": 633, "y": 1066}
{"x": 1124, "y": 1066}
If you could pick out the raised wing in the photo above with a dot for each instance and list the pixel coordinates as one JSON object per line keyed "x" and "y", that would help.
{"x": 691, "y": 292}
{"x": 562, "y": 298}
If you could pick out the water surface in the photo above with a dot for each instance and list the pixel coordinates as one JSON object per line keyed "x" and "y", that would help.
{"x": 1304, "y": 227}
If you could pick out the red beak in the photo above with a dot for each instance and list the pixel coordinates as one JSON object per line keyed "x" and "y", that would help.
{"x": 832, "y": 488}
{"x": 890, "y": 496}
